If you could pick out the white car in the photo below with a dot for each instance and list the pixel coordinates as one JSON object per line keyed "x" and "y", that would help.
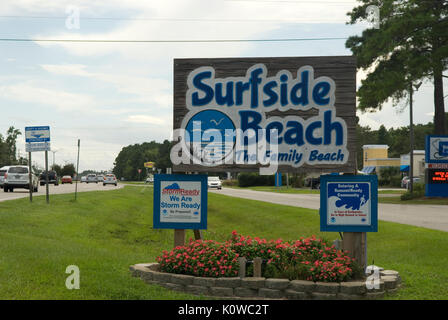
{"x": 2, "y": 175}
{"x": 18, "y": 177}
{"x": 100, "y": 178}
{"x": 91, "y": 178}
{"x": 83, "y": 179}
{"x": 214, "y": 182}
{"x": 110, "y": 179}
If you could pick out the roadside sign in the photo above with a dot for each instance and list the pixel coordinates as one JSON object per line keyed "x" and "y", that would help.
{"x": 349, "y": 203}
{"x": 242, "y": 114}
{"x": 436, "y": 149}
{"x": 149, "y": 164}
{"x": 37, "y": 146}
{"x": 180, "y": 201}
{"x": 37, "y": 134}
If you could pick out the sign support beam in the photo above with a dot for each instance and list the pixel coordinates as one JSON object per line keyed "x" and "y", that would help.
{"x": 179, "y": 237}
{"x": 47, "y": 191}
{"x": 30, "y": 174}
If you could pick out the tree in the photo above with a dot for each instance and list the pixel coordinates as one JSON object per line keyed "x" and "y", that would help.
{"x": 410, "y": 45}
{"x": 11, "y": 140}
{"x": 58, "y": 169}
{"x": 68, "y": 170}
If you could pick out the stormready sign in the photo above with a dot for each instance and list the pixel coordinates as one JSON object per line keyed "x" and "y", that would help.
{"x": 292, "y": 114}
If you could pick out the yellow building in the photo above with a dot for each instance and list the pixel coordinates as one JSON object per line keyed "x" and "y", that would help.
{"x": 375, "y": 156}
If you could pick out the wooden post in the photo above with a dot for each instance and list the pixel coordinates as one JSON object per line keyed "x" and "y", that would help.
{"x": 355, "y": 244}
{"x": 257, "y": 267}
{"x": 242, "y": 271}
{"x": 179, "y": 237}
{"x": 197, "y": 234}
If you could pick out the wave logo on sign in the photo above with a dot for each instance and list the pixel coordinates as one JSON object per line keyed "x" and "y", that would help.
{"x": 350, "y": 196}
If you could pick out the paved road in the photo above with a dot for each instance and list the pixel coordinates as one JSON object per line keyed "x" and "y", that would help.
{"x": 428, "y": 216}
{"x": 62, "y": 188}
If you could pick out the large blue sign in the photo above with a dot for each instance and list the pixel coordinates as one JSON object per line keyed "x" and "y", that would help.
{"x": 180, "y": 201}
{"x": 436, "y": 149}
{"x": 349, "y": 203}
{"x": 436, "y": 173}
{"x": 37, "y": 134}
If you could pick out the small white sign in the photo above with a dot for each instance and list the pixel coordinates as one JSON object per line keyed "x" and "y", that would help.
{"x": 37, "y": 146}
{"x": 180, "y": 201}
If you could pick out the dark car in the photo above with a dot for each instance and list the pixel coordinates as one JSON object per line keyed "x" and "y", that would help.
{"x": 314, "y": 183}
{"x": 52, "y": 178}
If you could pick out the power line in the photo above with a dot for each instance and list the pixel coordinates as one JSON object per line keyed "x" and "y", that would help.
{"x": 217, "y": 20}
{"x": 170, "y": 41}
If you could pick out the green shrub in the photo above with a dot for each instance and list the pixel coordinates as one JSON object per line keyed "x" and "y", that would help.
{"x": 389, "y": 176}
{"x": 229, "y": 183}
{"x": 419, "y": 192}
{"x": 254, "y": 179}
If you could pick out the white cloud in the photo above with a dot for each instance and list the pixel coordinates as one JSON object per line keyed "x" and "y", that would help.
{"x": 141, "y": 118}
{"x": 54, "y": 98}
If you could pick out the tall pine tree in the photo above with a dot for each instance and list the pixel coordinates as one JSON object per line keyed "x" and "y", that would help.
{"x": 410, "y": 45}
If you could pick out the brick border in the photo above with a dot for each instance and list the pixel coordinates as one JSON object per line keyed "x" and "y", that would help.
{"x": 262, "y": 288}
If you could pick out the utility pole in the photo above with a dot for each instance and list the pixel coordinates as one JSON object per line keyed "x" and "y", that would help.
{"x": 77, "y": 170}
{"x": 54, "y": 151}
{"x": 411, "y": 138}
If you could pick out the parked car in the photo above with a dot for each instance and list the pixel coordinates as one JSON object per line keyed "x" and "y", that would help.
{"x": 52, "y": 178}
{"x": 2, "y": 175}
{"x": 110, "y": 179}
{"x": 91, "y": 178}
{"x": 83, "y": 179}
{"x": 313, "y": 183}
{"x": 416, "y": 180}
{"x": 18, "y": 177}
{"x": 66, "y": 179}
{"x": 214, "y": 182}
{"x": 100, "y": 178}
{"x": 404, "y": 181}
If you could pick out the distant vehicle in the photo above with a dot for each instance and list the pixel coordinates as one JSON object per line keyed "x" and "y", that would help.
{"x": 2, "y": 175}
{"x": 110, "y": 179}
{"x": 91, "y": 178}
{"x": 416, "y": 180}
{"x": 100, "y": 178}
{"x": 66, "y": 179}
{"x": 404, "y": 181}
{"x": 18, "y": 177}
{"x": 214, "y": 182}
{"x": 52, "y": 178}
{"x": 83, "y": 179}
{"x": 149, "y": 180}
{"x": 313, "y": 183}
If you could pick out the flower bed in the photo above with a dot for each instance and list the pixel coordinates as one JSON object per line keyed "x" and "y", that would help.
{"x": 304, "y": 259}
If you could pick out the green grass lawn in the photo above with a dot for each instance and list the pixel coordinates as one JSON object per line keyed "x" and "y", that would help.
{"x": 105, "y": 232}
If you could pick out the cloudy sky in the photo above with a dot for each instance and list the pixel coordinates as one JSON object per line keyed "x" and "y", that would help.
{"x": 111, "y": 95}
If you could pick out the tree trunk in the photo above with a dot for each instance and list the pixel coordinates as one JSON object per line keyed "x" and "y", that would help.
{"x": 439, "y": 104}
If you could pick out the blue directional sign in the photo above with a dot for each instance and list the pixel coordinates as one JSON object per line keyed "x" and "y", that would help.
{"x": 37, "y": 134}
{"x": 180, "y": 201}
{"x": 349, "y": 203}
